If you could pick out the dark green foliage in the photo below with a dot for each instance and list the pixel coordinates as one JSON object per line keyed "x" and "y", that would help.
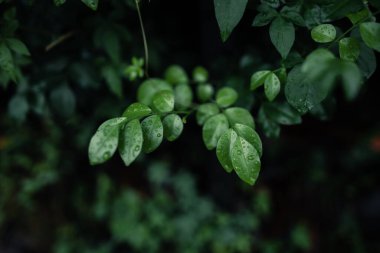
{"x": 66, "y": 68}
{"x": 308, "y": 83}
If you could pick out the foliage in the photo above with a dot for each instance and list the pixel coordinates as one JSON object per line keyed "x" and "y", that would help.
{"x": 306, "y": 83}
{"x": 66, "y": 68}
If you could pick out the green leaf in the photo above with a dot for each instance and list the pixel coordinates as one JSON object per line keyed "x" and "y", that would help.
{"x": 92, "y": 4}
{"x": 315, "y": 15}
{"x": 282, "y": 35}
{"x": 317, "y": 63}
{"x": 318, "y": 12}
{"x": 59, "y": 2}
{"x": 293, "y": 59}
{"x": 113, "y": 80}
{"x": 149, "y": 88}
{"x": 200, "y": 74}
{"x": 349, "y": 49}
{"x": 104, "y": 142}
{"x": 249, "y": 135}
{"x": 226, "y": 96}
{"x": 213, "y": 130}
{"x": 352, "y": 79}
{"x": 245, "y": 160}
{"x": 18, "y": 108}
{"x": 205, "y": 92}
{"x": 18, "y": 46}
{"x": 301, "y": 93}
{"x": 6, "y": 59}
{"x": 228, "y": 14}
{"x": 282, "y": 74}
{"x": 301, "y": 237}
{"x": 133, "y": 72}
{"x": 63, "y": 101}
{"x": 335, "y": 10}
{"x": 130, "y": 141}
{"x": 367, "y": 61}
{"x": 163, "y": 101}
{"x": 153, "y": 131}
{"x": 258, "y": 78}
{"x": 206, "y": 111}
{"x": 270, "y": 127}
{"x": 370, "y": 32}
{"x": 265, "y": 16}
{"x": 323, "y": 33}
{"x": 237, "y": 115}
{"x": 282, "y": 113}
{"x": 183, "y": 96}
{"x": 173, "y": 127}
{"x": 292, "y": 15}
{"x": 111, "y": 45}
{"x": 272, "y": 86}
{"x": 223, "y": 149}
{"x": 176, "y": 75}
{"x": 136, "y": 111}
{"x": 359, "y": 16}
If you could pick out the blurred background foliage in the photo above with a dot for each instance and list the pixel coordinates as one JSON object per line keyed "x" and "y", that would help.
{"x": 319, "y": 186}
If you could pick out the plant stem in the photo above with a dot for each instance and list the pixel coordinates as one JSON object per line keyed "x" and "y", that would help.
{"x": 59, "y": 40}
{"x": 144, "y": 38}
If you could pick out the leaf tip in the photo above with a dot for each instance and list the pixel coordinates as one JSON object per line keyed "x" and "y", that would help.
{"x": 225, "y": 35}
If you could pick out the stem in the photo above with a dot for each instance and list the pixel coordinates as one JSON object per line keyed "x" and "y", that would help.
{"x": 144, "y": 38}
{"x": 352, "y": 28}
{"x": 187, "y": 113}
{"x": 59, "y": 40}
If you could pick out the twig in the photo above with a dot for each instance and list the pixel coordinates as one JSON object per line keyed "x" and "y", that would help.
{"x": 58, "y": 41}
{"x": 144, "y": 38}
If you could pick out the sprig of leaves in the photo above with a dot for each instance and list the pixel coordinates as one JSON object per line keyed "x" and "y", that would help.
{"x": 298, "y": 86}
{"x": 144, "y": 124}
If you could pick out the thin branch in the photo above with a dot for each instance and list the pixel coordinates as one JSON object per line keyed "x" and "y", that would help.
{"x": 59, "y": 40}
{"x": 144, "y": 38}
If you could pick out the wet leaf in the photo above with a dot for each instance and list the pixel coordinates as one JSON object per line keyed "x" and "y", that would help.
{"x": 173, "y": 127}
{"x": 223, "y": 149}
{"x": 206, "y": 111}
{"x": 153, "y": 132}
{"x": 104, "y": 142}
{"x": 213, "y": 130}
{"x": 226, "y": 96}
{"x": 245, "y": 160}
{"x": 130, "y": 141}
{"x": 136, "y": 111}
{"x": 237, "y": 115}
